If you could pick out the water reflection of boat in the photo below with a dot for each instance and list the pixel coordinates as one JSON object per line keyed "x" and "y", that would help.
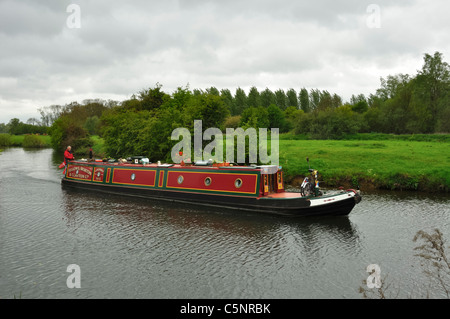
{"x": 142, "y": 213}
{"x": 246, "y": 188}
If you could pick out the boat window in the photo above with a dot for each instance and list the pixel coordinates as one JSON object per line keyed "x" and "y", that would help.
{"x": 238, "y": 183}
{"x": 180, "y": 179}
{"x": 133, "y": 177}
{"x": 208, "y": 181}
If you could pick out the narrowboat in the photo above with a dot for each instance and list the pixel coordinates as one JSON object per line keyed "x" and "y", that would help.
{"x": 249, "y": 188}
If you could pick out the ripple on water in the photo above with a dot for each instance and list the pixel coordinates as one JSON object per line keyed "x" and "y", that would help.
{"x": 134, "y": 248}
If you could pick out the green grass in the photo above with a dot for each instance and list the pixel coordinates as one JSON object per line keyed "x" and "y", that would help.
{"x": 378, "y": 137}
{"x": 388, "y": 164}
{"x": 18, "y": 140}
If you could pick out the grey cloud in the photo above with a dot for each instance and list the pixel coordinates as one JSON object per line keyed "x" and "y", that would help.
{"x": 123, "y": 47}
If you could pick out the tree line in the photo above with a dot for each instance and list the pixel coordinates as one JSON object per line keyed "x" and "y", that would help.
{"x": 142, "y": 124}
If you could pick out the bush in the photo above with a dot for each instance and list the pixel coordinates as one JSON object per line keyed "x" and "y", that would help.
{"x": 232, "y": 121}
{"x": 5, "y": 140}
{"x": 65, "y": 132}
{"x": 329, "y": 123}
{"x": 33, "y": 141}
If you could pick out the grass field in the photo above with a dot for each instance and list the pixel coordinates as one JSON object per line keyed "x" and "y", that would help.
{"x": 387, "y": 164}
{"x": 17, "y": 140}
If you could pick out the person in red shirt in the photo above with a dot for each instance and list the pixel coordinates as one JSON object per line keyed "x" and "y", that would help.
{"x": 68, "y": 156}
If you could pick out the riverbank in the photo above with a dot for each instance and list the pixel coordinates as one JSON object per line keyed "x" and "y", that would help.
{"x": 369, "y": 164}
{"x": 27, "y": 141}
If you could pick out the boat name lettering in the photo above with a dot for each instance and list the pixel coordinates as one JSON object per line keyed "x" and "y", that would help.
{"x": 77, "y": 169}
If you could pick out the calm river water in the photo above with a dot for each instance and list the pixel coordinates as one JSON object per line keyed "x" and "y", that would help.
{"x": 134, "y": 248}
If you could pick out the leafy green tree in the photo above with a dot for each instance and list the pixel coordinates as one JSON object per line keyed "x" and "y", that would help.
{"x": 267, "y": 98}
{"x": 277, "y": 118}
{"x": 213, "y": 90}
{"x": 374, "y": 118}
{"x": 49, "y": 114}
{"x": 433, "y": 85}
{"x": 232, "y": 121}
{"x": 228, "y": 99}
{"x": 281, "y": 99}
{"x": 131, "y": 104}
{"x": 254, "y": 98}
{"x": 325, "y": 101}
{"x": 336, "y": 101}
{"x": 255, "y": 117}
{"x": 314, "y": 99}
{"x": 304, "y": 100}
{"x": 152, "y": 98}
{"x": 3, "y": 128}
{"x": 209, "y": 108}
{"x": 179, "y": 99}
{"x": 64, "y": 132}
{"x": 360, "y": 107}
{"x": 292, "y": 98}
{"x": 14, "y": 126}
{"x": 391, "y": 85}
{"x": 240, "y": 101}
{"x": 92, "y": 124}
{"x": 124, "y": 132}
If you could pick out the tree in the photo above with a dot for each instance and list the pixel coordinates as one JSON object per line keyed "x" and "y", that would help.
{"x": 92, "y": 124}
{"x": 14, "y": 126}
{"x": 314, "y": 99}
{"x": 281, "y": 99}
{"x": 240, "y": 101}
{"x": 209, "y": 108}
{"x": 33, "y": 121}
{"x": 325, "y": 101}
{"x": 267, "y": 98}
{"x": 304, "y": 100}
{"x": 255, "y": 117}
{"x": 50, "y": 114}
{"x": 277, "y": 118}
{"x": 179, "y": 98}
{"x": 65, "y": 131}
{"x": 213, "y": 90}
{"x": 253, "y": 98}
{"x": 433, "y": 83}
{"x": 152, "y": 98}
{"x": 292, "y": 98}
{"x": 391, "y": 85}
{"x": 336, "y": 101}
{"x": 227, "y": 98}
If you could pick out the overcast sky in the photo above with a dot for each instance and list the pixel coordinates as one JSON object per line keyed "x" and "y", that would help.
{"x": 55, "y": 53}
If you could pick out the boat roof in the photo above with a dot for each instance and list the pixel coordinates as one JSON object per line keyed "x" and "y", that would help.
{"x": 265, "y": 169}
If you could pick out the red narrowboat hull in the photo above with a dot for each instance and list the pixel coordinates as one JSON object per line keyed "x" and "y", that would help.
{"x": 242, "y": 188}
